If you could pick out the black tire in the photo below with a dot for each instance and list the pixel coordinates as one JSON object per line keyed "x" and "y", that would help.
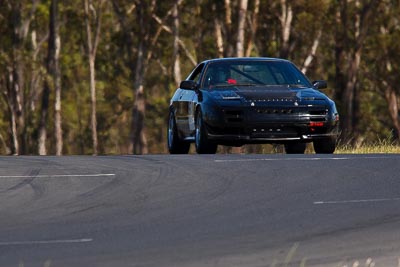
{"x": 325, "y": 146}
{"x": 295, "y": 148}
{"x": 203, "y": 144}
{"x": 175, "y": 144}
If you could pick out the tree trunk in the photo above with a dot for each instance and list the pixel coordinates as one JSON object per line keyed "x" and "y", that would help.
{"x": 229, "y": 31}
{"x": 43, "y": 119}
{"x": 4, "y": 144}
{"x": 92, "y": 50}
{"x": 341, "y": 39}
{"x": 241, "y": 26}
{"x": 218, "y": 33}
{"x": 138, "y": 139}
{"x": 20, "y": 26}
{"x": 349, "y": 90}
{"x": 53, "y": 78}
{"x": 20, "y": 29}
{"x": 93, "y": 100}
{"x": 362, "y": 20}
{"x": 176, "y": 59}
{"x": 393, "y": 108}
{"x": 14, "y": 133}
{"x": 165, "y": 27}
{"x": 12, "y": 111}
{"x": 254, "y": 26}
{"x": 311, "y": 55}
{"x": 240, "y": 51}
{"x": 143, "y": 52}
{"x": 228, "y": 13}
{"x": 286, "y": 24}
{"x": 19, "y": 99}
{"x": 57, "y": 103}
{"x": 388, "y": 85}
{"x": 348, "y": 96}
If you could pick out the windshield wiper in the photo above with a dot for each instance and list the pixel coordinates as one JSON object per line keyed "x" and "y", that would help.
{"x": 238, "y": 85}
{"x": 249, "y": 84}
{"x": 223, "y": 85}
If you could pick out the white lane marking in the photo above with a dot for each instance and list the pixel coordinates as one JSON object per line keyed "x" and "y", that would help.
{"x": 356, "y": 201}
{"x": 58, "y": 175}
{"x": 243, "y": 160}
{"x": 40, "y": 242}
{"x": 298, "y": 159}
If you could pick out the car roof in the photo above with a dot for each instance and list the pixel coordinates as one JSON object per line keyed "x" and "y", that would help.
{"x": 238, "y": 59}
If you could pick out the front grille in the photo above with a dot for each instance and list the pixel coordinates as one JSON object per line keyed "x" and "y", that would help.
{"x": 275, "y": 111}
{"x": 275, "y": 114}
{"x": 274, "y": 132}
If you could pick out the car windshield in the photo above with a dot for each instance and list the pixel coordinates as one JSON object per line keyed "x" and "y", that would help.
{"x": 253, "y": 73}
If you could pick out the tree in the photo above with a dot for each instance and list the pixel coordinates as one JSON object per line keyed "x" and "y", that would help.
{"x": 53, "y": 79}
{"x": 92, "y": 50}
{"x": 349, "y": 48}
{"x": 241, "y": 28}
{"x": 386, "y": 47}
{"x": 176, "y": 58}
{"x": 253, "y": 28}
{"x": 146, "y": 41}
{"x": 56, "y": 42}
{"x": 312, "y": 53}
{"x": 19, "y": 23}
{"x": 286, "y": 19}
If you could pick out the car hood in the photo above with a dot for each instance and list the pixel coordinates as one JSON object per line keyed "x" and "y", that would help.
{"x": 267, "y": 93}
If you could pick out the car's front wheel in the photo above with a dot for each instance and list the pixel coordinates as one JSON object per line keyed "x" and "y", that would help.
{"x": 203, "y": 144}
{"x": 295, "y": 148}
{"x": 325, "y": 146}
{"x": 175, "y": 144}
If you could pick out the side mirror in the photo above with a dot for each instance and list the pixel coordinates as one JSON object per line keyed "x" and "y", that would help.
{"x": 320, "y": 84}
{"x": 188, "y": 85}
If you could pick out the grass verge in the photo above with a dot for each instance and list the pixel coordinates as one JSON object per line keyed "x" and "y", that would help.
{"x": 382, "y": 146}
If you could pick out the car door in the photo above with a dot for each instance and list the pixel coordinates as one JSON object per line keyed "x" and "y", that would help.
{"x": 187, "y": 105}
{"x": 182, "y": 111}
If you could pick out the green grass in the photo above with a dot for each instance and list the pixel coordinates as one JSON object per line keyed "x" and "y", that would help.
{"x": 382, "y": 146}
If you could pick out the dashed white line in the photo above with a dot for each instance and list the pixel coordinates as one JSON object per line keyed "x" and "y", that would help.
{"x": 276, "y": 159}
{"x": 356, "y": 201}
{"x": 297, "y": 159}
{"x": 58, "y": 175}
{"x": 43, "y": 242}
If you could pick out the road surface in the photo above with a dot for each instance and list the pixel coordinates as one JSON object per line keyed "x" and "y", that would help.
{"x": 195, "y": 210}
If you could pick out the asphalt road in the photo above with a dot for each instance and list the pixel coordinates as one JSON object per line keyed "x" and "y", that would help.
{"x": 219, "y": 210}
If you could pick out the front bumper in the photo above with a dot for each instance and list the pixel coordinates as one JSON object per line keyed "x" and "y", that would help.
{"x": 272, "y": 134}
{"x": 268, "y": 124}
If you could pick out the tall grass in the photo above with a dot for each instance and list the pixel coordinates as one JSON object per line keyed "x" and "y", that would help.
{"x": 381, "y": 146}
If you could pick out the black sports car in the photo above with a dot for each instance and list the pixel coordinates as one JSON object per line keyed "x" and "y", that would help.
{"x": 236, "y": 101}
